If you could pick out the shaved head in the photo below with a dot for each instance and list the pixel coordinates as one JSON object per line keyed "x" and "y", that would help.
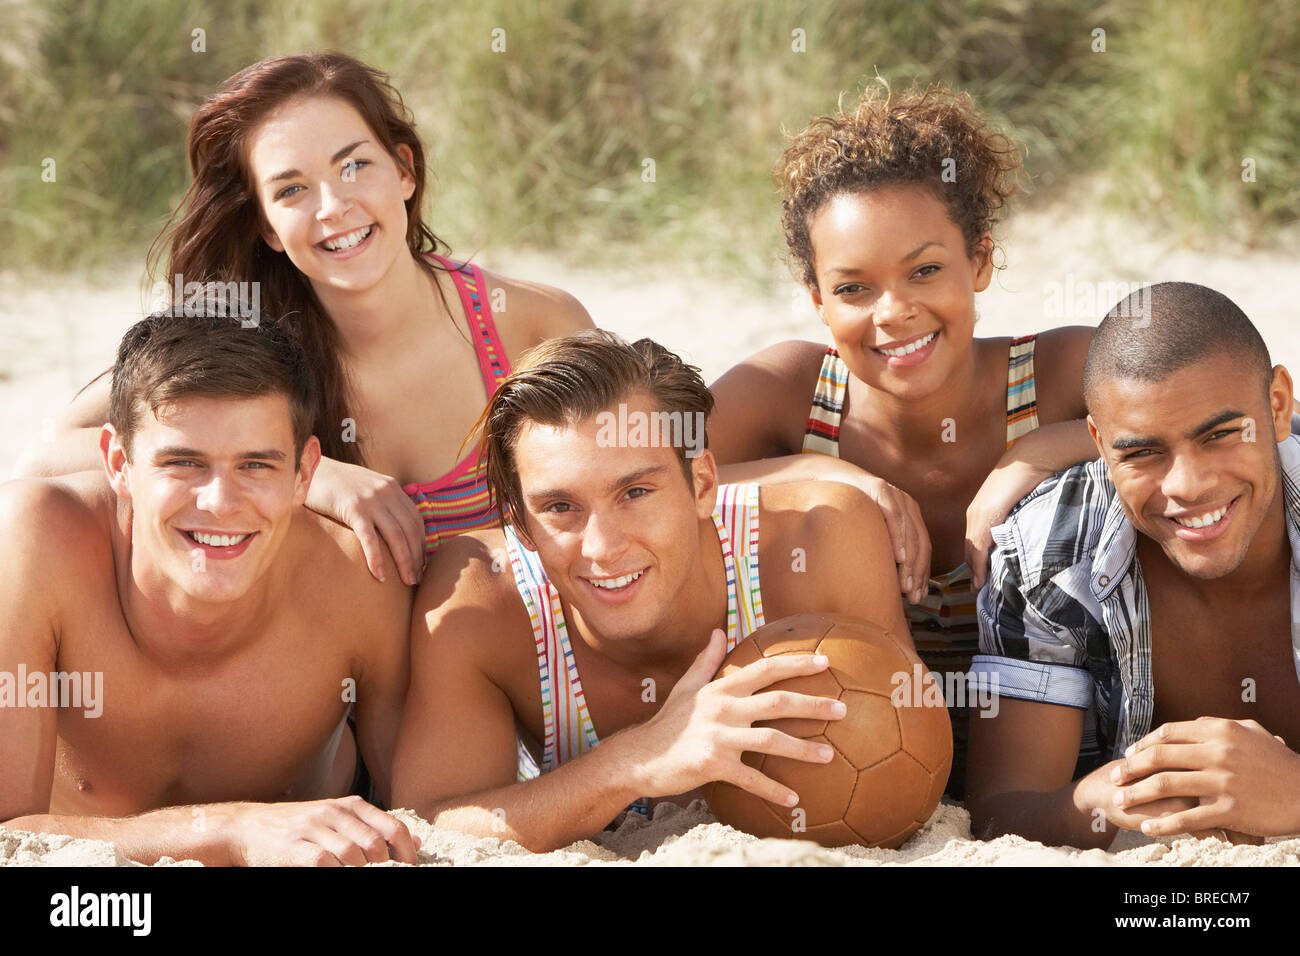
{"x": 1163, "y": 328}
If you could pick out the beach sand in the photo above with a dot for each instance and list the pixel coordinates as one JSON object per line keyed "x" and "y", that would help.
{"x": 1063, "y": 264}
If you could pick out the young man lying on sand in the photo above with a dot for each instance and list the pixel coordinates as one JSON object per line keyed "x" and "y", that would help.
{"x": 626, "y": 561}
{"x": 1157, "y": 587}
{"x": 230, "y": 625}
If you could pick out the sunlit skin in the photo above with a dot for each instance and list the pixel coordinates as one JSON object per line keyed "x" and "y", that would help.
{"x": 217, "y": 466}
{"x": 319, "y": 173}
{"x": 1199, "y": 440}
{"x": 601, "y": 513}
{"x": 892, "y": 267}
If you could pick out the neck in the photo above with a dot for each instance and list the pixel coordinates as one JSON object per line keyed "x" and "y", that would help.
{"x": 919, "y": 423}
{"x": 172, "y": 628}
{"x": 698, "y": 608}
{"x": 373, "y": 322}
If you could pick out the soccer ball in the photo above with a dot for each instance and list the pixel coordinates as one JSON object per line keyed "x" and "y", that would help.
{"x": 892, "y": 755}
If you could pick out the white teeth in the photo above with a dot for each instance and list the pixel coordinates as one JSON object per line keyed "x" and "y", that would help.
{"x": 344, "y": 243}
{"x": 909, "y": 349}
{"x": 216, "y": 540}
{"x": 1205, "y": 520}
{"x": 615, "y": 583}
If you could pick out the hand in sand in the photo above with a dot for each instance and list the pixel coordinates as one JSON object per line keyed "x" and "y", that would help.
{"x": 1004, "y": 488}
{"x": 705, "y": 725}
{"x": 1241, "y": 778}
{"x": 908, "y": 536}
{"x": 347, "y": 831}
{"x": 374, "y": 506}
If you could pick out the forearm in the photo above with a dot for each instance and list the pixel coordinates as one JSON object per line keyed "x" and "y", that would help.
{"x": 572, "y": 802}
{"x": 1056, "y": 818}
{"x": 67, "y": 452}
{"x": 182, "y": 833}
{"x": 1053, "y": 448}
{"x": 801, "y": 467}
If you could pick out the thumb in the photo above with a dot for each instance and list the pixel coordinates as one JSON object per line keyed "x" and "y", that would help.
{"x": 707, "y": 662}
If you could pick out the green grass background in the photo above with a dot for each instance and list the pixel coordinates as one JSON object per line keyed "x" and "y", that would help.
{"x": 542, "y": 146}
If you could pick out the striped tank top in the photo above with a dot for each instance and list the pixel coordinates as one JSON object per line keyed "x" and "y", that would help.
{"x": 566, "y": 724}
{"x": 944, "y": 625}
{"x": 459, "y": 500}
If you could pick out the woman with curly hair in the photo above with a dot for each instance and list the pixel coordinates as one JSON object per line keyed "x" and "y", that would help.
{"x": 888, "y": 213}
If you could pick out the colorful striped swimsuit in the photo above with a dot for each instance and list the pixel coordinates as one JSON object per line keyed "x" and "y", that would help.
{"x": 567, "y": 728}
{"x": 459, "y": 501}
{"x": 944, "y": 626}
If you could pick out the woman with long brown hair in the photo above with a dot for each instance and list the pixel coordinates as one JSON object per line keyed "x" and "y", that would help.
{"x": 308, "y": 181}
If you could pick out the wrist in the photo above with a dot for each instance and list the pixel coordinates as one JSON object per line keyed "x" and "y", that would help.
{"x": 624, "y": 767}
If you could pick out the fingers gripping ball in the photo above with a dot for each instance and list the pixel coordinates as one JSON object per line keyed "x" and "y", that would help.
{"x": 891, "y": 762}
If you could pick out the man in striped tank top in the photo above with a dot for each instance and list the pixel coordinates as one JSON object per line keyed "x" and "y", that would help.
{"x": 623, "y": 560}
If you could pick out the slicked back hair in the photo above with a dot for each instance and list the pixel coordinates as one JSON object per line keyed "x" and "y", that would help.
{"x": 1161, "y": 329}
{"x": 567, "y": 380}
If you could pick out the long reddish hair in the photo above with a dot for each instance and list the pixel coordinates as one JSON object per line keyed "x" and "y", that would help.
{"x": 214, "y": 235}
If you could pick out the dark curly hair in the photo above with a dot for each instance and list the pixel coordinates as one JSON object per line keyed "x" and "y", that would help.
{"x": 892, "y": 140}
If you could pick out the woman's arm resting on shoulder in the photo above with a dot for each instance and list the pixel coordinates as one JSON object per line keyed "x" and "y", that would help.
{"x": 72, "y": 443}
{"x": 1025, "y": 465}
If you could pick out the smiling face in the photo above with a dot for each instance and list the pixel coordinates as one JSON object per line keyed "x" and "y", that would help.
{"x": 896, "y": 286}
{"x": 617, "y": 528}
{"x": 213, "y": 487}
{"x": 1194, "y": 458}
{"x": 332, "y": 198}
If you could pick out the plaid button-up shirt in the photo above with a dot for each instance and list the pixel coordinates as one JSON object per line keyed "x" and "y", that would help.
{"x": 1064, "y": 617}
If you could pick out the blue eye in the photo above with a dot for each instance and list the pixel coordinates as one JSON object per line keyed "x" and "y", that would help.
{"x": 352, "y": 165}
{"x": 286, "y": 192}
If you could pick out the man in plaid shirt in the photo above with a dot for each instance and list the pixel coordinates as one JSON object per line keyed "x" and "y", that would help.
{"x": 1142, "y": 614}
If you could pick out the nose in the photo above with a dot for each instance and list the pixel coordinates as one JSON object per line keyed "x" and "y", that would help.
{"x": 218, "y": 496}
{"x": 1187, "y": 479}
{"x": 603, "y": 540}
{"x": 891, "y": 307}
{"x": 334, "y": 202}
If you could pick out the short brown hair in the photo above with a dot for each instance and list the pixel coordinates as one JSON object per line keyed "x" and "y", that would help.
{"x": 891, "y": 141}
{"x": 570, "y": 379}
{"x": 166, "y": 357}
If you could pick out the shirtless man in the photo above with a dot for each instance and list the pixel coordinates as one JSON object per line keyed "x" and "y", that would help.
{"x": 625, "y": 561}
{"x": 1156, "y": 588}
{"x": 228, "y": 627}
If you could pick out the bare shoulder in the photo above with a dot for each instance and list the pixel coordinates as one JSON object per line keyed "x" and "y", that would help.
{"x": 75, "y": 510}
{"x": 331, "y": 568}
{"x": 1059, "y": 357}
{"x": 527, "y": 313}
{"x": 762, "y": 402}
{"x": 825, "y": 548}
{"x": 468, "y": 603}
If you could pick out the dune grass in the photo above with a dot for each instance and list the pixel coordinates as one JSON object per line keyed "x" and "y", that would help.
{"x": 546, "y": 144}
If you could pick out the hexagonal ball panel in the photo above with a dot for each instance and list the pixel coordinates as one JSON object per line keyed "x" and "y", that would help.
{"x": 868, "y": 732}
{"x": 891, "y": 796}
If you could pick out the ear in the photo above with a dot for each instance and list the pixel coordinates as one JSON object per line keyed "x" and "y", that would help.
{"x": 307, "y": 465}
{"x": 405, "y": 178}
{"x": 982, "y": 260}
{"x": 1281, "y": 399}
{"x": 816, "y": 295}
{"x": 112, "y": 455}
{"x": 704, "y": 474}
{"x": 1096, "y": 438}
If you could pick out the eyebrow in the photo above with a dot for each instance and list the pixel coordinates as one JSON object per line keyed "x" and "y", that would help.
{"x": 1123, "y": 444}
{"x": 291, "y": 173}
{"x": 628, "y": 479}
{"x": 179, "y": 451}
{"x": 839, "y": 270}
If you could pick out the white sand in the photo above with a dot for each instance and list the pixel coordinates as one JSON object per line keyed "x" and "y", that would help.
{"x": 56, "y": 334}
{"x": 691, "y": 837}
